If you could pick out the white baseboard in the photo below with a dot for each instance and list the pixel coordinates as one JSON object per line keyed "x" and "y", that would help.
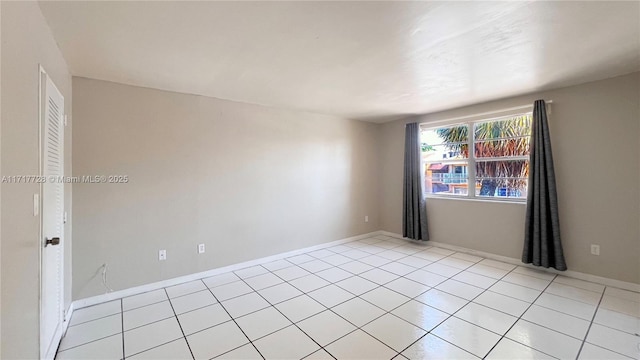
{"x": 569, "y": 273}
{"x": 81, "y": 303}
{"x": 94, "y": 300}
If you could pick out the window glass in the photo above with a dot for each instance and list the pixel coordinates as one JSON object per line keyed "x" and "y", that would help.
{"x": 500, "y": 158}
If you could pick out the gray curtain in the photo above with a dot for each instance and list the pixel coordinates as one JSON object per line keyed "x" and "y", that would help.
{"x": 542, "y": 244}
{"x": 414, "y": 211}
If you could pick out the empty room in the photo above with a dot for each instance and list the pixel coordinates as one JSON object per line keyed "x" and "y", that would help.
{"x": 319, "y": 180}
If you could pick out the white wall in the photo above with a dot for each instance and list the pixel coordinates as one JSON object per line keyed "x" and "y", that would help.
{"x": 594, "y": 130}
{"x": 246, "y": 180}
{"x": 26, "y": 43}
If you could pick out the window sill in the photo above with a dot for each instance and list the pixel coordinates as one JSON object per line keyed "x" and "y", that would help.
{"x": 476, "y": 199}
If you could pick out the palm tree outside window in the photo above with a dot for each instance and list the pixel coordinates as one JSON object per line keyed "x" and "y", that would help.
{"x": 497, "y": 168}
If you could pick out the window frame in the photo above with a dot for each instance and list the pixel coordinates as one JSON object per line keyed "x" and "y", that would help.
{"x": 471, "y": 159}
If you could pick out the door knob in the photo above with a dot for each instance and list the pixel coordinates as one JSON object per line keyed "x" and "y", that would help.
{"x": 52, "y": 241}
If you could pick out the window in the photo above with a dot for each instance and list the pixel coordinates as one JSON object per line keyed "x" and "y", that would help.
{"x": 498, "y": 166}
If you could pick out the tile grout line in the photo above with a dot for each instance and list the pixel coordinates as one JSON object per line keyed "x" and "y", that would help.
{"x": 142, "y": 306}
{"x": 487, "y": 289}
{"x": 88, "y": 342}
{"x": 202, "y": 307}
{"x": 542, "y": 291}
{"x": 519, "y": 318}
{"x": 292, "y": 322}
{"x": 234, "y": 321}
{"x": 155, "y": 322}
{"x": 340, "y": 303}
{"x": 352, "y": 275}
{"x": 122, "y": 311}
{"x": 358, "y": 260}
{"x": 310, "y": 273}
{"x": 385, "y": 312}
{"x": 593, "y": 318}
{"x": 170, "y": 341}
{"x": 184, "y": 336}
{"x": 101, "y": 317}
{"x": 379, "y": 267}
{"x": 305, "y": 293}
{"x": 453, "y": 314}
{"x": 512, "y": 297}
{"x": 379, "y": 285}
{"x": 570, "y": 298}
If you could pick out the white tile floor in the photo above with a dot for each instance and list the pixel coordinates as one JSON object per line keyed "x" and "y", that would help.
{"x": 377, "y": 298}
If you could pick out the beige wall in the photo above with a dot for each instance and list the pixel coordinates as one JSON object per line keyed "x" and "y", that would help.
{"x": 0, "y": 176}
{"x": 594, "y": 130}
{"x": 247, "y": 181}
{"x": 26, "y": 43}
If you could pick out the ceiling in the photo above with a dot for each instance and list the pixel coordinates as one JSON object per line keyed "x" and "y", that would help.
{"x": 373, "y": 61}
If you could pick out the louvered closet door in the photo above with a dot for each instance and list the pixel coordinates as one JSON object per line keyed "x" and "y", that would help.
{"x": 52, "y": 131}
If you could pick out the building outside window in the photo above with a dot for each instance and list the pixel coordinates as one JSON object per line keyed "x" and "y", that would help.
{"x": 498, "y": 166}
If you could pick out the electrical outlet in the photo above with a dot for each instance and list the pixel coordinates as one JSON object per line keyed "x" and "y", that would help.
{"x": 162, "y": 255}
{"x": 366, "y": 218}
{"x": 200, "y": 248}
{"x": 595, "y": 249}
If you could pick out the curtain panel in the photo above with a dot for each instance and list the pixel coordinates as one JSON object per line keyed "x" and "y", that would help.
{"x": 542, "y": 242}
{"x": 414, "y": 214}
